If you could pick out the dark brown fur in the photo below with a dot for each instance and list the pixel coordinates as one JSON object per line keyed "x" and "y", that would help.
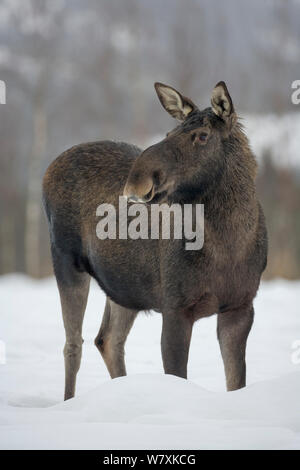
{"x": 222, "y": 277}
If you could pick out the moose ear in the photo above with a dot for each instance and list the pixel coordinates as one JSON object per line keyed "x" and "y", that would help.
{"x": 221, "y": 101}
{"x": 177, "y": 105}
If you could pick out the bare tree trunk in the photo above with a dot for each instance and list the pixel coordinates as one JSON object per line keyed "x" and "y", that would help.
{"x": 7, "y": 237}
{"x": 33, "y": 205}
{"x": 135, "y": 72}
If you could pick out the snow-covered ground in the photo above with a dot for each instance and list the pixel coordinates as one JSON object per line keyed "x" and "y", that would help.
{"x": 146, "y": 409}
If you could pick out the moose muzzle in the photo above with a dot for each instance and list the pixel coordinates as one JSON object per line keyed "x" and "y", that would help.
{"x": 142, "y": 191}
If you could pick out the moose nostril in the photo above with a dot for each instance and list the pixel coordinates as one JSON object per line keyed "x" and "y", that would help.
{"x": 148, "y": 196}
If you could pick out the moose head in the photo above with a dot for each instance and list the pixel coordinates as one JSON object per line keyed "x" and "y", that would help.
{"x": 191, "y": 155}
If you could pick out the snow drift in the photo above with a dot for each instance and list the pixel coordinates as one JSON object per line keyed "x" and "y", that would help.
{"x": 146, "y": 409}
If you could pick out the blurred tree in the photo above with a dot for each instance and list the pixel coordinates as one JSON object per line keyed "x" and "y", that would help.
{"x": 80, "y": 71}
{"x": 279, "y": 191}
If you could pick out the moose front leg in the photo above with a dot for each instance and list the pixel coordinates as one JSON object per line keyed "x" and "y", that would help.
{"x": 175, "y": 343}
{"x": 233, "y": 329}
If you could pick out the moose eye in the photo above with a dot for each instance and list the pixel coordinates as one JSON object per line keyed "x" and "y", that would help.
{"x": 203, "y": 136}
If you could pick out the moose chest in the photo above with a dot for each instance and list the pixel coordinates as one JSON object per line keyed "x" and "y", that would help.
{"x": 201, "y": 282}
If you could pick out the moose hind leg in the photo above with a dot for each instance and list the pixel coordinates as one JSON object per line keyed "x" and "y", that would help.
{"x": 116, "y": 324}
{"x": 73, "y": 289}
{"x": 233, "y": 330}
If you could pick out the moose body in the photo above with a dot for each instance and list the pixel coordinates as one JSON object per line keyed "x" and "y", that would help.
{"x": 205, "y": 160}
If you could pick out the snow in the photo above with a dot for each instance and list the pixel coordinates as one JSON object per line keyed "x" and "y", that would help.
{"x": 146, "y": 409}
{"x": 277, "y": 134}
